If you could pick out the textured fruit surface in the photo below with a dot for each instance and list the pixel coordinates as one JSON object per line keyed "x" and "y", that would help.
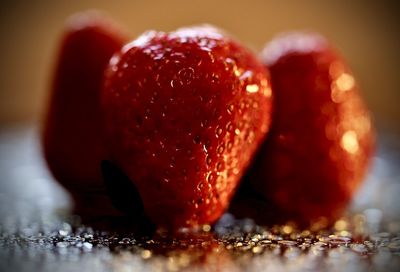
{"x": 72, "y": 138}
{"x": 184, "y": 113}
{"x": 321, "y": 138}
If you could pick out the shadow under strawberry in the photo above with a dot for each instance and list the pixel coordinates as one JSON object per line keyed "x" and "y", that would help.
{"x": 125, "y": 198}
{"x": 250, "y": 203}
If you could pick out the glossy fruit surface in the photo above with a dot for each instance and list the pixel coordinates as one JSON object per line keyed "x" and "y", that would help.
{"x": 184, "y": 113}
{"x": 72, "y": 137}
{"x": 321, "y": 138}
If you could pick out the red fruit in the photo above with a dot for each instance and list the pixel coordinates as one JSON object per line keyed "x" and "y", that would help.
{"x": 321, "y": 138}
{"x": 72, "y": 138}
{"x": 184, "y": 113}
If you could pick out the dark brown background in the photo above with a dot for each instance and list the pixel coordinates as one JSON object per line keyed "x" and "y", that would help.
{"x": 366, "y": 32}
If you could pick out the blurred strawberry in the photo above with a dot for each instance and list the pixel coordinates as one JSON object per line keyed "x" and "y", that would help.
{"x": 321, "y": 139}
{"x": 184, "y": 113}
{"x": 72, "y": 138}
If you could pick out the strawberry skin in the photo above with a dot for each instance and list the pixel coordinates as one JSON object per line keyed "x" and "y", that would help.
{"x": 72, "y": 136}
{"x": 321, "y": 139}
{"x": 184, "y": 113}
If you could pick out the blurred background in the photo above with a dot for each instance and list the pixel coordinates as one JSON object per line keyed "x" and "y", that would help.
{"x": 366, "y": 33}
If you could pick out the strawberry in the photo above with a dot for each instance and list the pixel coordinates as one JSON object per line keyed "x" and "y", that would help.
{"x": 321, "y": 138}
{"x": 72, "y": 136}
{"x": 184, "y": 113}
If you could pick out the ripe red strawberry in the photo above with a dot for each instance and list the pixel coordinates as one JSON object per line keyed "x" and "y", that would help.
{"x": 321, "y": 138}
{"x": 72, "y": 137}
{"x": 184, "y": 113}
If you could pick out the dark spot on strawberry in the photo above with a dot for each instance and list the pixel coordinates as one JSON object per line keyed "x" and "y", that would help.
{"x": 139, "y": 120}
{"x": 196, "y": 139}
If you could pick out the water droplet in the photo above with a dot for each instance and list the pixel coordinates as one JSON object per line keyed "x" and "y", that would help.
{"x": 206, "y": 228}
{"x": 359, "y": 248}
{"x": 267, "y": 92}
{"x": 210, "y": 54}
{"x": 186, "y": 75}
{"x": 345, "y": 82}
{"x": 87, "y": 245}
{"x": 231, "y": 108}
{"x": 349, "y": 142}
{"x": 229, "y": 146}
{"x": 219, "y": 131}
{"x": 146, "y": 254}
{"x": 287, "y": 229}
{"x": 63, "y": 232}
{"x": 242, "y": 105}
{"x": 288, "y": 243}
{"x": 256, "y": 249}
{"x": 62, "y": 244}
{"x": 252, "y": 88}
{"x": 229, "y": 127}
{"x": 214, "y": 78}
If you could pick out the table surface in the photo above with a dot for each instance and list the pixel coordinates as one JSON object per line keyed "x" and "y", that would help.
{"x": 37, "y": 231}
